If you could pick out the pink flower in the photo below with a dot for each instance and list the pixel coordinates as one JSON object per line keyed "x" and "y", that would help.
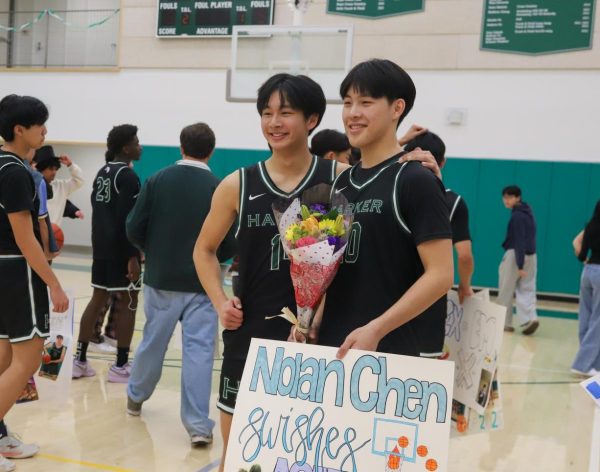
{"x": 306, "y": 241}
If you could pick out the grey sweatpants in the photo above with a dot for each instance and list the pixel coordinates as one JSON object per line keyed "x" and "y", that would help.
{"x": 511, "y": 285}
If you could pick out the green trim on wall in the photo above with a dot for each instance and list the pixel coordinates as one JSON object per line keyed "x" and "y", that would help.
{"x": 565, "y": 315}
{"x": 562, "y": 196}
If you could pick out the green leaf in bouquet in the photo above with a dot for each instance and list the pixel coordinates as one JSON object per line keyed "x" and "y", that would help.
{"x": 305, "y": 212}
{"x": 332, "y": 215}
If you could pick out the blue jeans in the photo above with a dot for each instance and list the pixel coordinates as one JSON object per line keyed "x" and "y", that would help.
{"x": 199, "y": 329}
{"x": 588, "y": 356}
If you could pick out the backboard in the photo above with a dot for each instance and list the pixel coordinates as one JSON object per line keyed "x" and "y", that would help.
{"x": 258, "y": 52}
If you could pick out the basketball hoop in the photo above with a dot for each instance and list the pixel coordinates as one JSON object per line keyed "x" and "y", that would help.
{"x": 299, "y": 5}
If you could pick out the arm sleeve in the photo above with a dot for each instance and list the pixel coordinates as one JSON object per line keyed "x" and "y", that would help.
{"x": 43, "y": 196}
{"x": 519, "y": 235}
{"x": 76, "y": 181}
{"x": 423, "y": 204}
{"x": 460, "y": 223}
{"x": 128, "y": 186}
{"x": 52, "y": 246}
{"x": 137, "y": 220}
{"x": 70, "y": 210}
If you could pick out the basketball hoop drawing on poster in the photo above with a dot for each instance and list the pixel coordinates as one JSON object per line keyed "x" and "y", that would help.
{"x": 258, "y": 52}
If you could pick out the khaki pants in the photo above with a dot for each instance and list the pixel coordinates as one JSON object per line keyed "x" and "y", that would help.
{"x": 511, "y": 285}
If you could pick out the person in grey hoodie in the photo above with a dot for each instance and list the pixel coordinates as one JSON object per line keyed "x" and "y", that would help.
{"x": 518, "y": 269}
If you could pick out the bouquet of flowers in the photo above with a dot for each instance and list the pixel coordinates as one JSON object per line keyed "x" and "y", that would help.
{"x": 314, "y": 231}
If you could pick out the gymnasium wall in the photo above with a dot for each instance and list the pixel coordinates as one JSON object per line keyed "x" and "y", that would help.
{"x": 528, "y": 120}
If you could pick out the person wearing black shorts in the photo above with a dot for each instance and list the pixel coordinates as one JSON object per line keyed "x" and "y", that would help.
{"x": 116, "y": 262}
{"x": 431, "y": 324}
{"x": 290, "y": 107}
{"x": 25, "y": 275}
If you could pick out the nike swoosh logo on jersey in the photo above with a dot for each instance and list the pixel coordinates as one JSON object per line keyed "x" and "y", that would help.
{"x": 340, "y": 190}
{"x": 254, "y": 197}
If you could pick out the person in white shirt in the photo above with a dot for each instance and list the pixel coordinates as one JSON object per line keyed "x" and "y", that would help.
{"x": 58, "y": 189}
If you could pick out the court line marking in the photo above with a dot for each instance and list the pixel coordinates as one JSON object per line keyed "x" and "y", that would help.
{"x": 213, "y": 465}
{"x": 91, "y": 465}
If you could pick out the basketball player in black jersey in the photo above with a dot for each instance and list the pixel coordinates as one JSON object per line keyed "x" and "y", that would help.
{"x": 435, "y": 316}
{"x": 25, "y": 276}
{"x": 399, "y": 255}
{"x": 116, "y": 266}
{"x": 290, "y": 107}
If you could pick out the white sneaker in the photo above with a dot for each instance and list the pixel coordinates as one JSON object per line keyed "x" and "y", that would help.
{"x": 110, "y": 341}
{"x": 102, "y": 348}
{"x": 12, "y": 447}
{"x": 589, "y": 373}
{"x": 6, "y": 465}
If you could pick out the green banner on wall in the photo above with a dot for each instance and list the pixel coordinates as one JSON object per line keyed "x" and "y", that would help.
{"x": 374, "y": 8}
{"x": 537, "y": 26}
{"x": 193, "y": 18}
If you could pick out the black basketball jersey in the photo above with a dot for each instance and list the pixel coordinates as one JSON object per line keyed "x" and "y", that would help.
{"x": 459, "y": 217}
{"x": 396, "y": 207}
{"x": 115, "y": 190}
{"x": 17, "y": 193}
{"x": 265, "y": 285}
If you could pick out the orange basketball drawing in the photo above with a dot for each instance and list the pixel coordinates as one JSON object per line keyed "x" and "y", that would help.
{"x": 403, "y": 441}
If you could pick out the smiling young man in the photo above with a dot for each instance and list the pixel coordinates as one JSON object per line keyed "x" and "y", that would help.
{"x": 290, "y": 108}
{"x": 399, "y": 256}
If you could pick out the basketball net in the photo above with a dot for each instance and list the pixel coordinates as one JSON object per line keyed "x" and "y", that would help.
{"x": 299, "y": 5}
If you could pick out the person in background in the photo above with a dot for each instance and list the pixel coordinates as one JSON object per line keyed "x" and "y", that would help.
{"x": 172, "y": 291}
{"x": 116, "y": 262}
{"x": 48, "y": 164}
{"x": 435, "y": 316}
{"x": 587, "y": 249}
{"x": 518, "y": 269}
{"x": 332, "y": 145}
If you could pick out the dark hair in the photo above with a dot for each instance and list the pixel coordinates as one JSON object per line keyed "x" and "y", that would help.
{"x": 512, "y": 190}
{"x": 197, "y": 140}
{"x": 17, "y": 110}
{"x": 381, "y": 78}
{"x": 355, "y": 156}
{"x": 59, "y": 336}
{"x": 119, "y": 137}
{"x": 299, "y": 92}
{"x": 329, "y": 140}
{"x": 431, "y": 142}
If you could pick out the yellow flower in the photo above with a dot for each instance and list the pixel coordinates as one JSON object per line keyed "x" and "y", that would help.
{"x": 339, "y": 226}
{"x": 328, "y": 226}
{"x": 311, "y": 226}
{"x": 289, "y": 233}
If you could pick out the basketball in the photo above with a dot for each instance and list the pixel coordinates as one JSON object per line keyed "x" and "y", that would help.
{"x": 59, "y": 236}
{"x": 46, "y": 358}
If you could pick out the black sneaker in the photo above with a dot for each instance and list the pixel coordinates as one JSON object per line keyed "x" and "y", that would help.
{"x": 530, "y": 327}
{"x": 133, "y": 408}
{"x": 200, "y": 440}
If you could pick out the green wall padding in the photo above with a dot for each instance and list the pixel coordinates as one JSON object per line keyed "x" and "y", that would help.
{"x": 561, "y": 194}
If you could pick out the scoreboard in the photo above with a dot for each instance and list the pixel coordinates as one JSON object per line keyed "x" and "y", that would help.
{"x": 203, "y": 18}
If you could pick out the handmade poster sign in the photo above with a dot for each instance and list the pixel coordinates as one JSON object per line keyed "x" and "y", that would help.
{"x": 473, "y": 341}
{"x": 474, "y": 333}
{"x": 592, "y": 388}
{"x": 54, "y": 377}
{"x": 299, "y": 409}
